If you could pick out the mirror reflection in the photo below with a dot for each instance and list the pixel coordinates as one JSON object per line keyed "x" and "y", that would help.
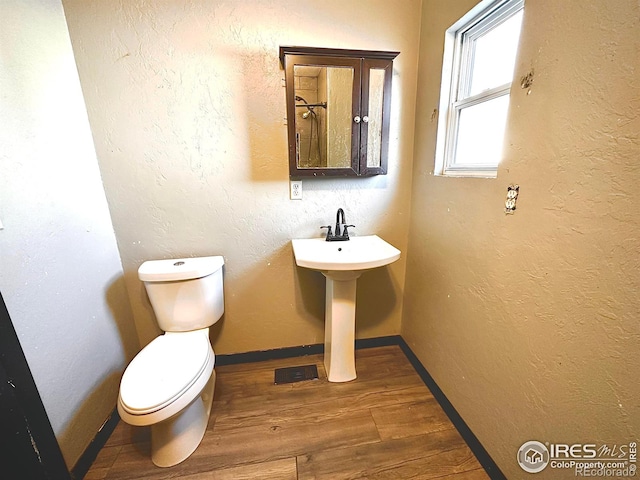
{"x": 323, "y": 106}
{"x": 374, "y": 118}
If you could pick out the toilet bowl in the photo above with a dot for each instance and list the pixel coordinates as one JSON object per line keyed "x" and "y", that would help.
{"x": 169, "y": 385}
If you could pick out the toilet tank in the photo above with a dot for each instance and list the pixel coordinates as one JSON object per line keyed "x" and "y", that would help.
{"x": 185, "y": 293}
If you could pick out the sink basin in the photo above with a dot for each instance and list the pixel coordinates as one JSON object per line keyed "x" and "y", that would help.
{"x": 342, "y": 263}
{"x": 358, "y": 253}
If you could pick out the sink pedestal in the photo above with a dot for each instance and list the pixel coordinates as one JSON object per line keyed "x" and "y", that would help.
{"x": 340, "y": 325}
{"x": 342, "y": 263}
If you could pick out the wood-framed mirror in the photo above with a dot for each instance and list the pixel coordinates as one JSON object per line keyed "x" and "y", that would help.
{"x": 338, "y": 110}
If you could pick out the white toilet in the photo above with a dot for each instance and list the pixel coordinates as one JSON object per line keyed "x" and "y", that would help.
{"x": 169, "y": 385}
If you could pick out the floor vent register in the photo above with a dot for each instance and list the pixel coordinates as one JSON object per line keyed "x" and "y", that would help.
{"x": 296, "y": 374}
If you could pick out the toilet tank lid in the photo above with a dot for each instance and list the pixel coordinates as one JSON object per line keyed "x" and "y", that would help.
{"x": 179, "y": 268}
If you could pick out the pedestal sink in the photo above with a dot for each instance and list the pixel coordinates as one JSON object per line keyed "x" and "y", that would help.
{"x": 342, "y": 263}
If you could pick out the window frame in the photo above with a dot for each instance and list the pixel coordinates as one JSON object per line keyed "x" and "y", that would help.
{"x": 456, "y": 83}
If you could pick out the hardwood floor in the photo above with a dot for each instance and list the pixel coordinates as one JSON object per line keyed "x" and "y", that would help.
{"x": 383, "y": 425}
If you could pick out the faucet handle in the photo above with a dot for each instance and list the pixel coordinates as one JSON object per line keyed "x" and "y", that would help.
{"x": 329, "y": 232}
{"x": 345, "y": 233}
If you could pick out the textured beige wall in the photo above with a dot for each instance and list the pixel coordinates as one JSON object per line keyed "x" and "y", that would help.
{"x": 529, "y": 322}
{"x": 186, "y": 104}
{"x": 60, "y": 272}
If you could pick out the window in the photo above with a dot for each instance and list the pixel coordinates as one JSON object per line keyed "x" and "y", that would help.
{"x": 480, "y": 54}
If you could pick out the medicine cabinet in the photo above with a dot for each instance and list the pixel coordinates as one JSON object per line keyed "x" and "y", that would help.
{"x": 338, "y": 110}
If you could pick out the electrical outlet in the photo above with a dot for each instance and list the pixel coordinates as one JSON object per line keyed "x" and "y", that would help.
{"x": 295, "y": 189}
{"x": 512, "y": 195}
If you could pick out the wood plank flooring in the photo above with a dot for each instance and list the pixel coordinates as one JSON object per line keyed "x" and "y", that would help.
{"x": 383, "y": 425}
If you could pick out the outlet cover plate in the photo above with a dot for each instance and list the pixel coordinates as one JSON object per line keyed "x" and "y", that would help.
{"x": 295, "y": 189}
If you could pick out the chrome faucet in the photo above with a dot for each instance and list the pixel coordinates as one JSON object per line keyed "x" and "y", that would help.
{"x": 341, "y": 233}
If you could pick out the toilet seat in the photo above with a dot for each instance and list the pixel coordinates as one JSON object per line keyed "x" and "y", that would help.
{"x": 164, "y": 370}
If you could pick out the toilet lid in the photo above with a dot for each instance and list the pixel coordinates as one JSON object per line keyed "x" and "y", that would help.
{"x": 163, "y": 370}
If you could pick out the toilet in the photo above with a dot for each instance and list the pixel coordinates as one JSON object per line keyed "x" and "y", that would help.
{"x": 169, "y": 385}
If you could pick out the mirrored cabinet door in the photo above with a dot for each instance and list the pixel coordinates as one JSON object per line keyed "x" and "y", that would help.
{"x": 337, "y": 110}
{"x": 376, "y": 103}
{"x": 324, "y": 102}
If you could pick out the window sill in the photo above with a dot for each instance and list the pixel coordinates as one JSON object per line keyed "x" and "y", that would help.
{"x": 468, "y": 174}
